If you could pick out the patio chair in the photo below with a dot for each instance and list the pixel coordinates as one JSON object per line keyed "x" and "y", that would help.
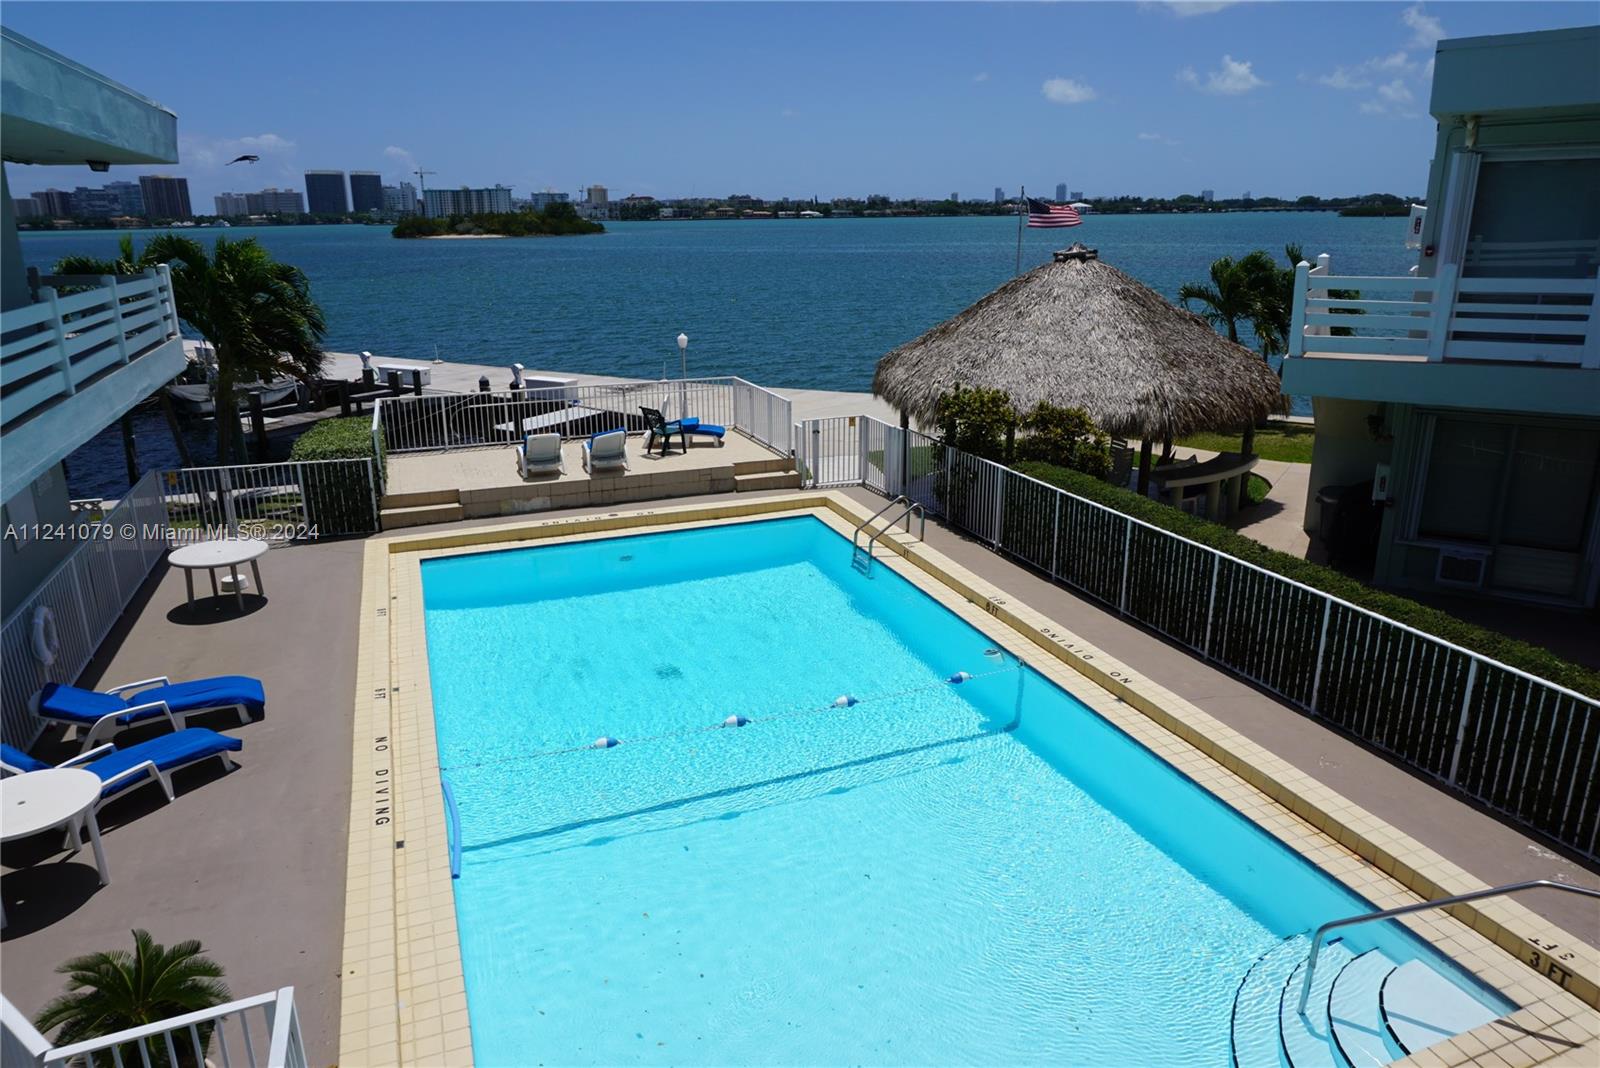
{"x": 150, "y": 761}
{"x": 100, "y": 715}
{"x": 656, "y": 423}
{"x": 607, "y": 451}
{"x": 540, "y": 454}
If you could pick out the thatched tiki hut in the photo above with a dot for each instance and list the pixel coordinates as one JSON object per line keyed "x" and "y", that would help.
{"x": 1079, "y": 333}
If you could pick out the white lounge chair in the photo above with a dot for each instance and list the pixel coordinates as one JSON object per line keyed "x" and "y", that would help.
{"x": 540, "y": 454}
{"x": 606, "y": 452}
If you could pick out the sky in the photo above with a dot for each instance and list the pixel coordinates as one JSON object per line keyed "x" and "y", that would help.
{"x": 799, "y": 100}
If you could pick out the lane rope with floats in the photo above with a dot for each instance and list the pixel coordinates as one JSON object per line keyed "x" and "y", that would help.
{"x": 735, "y": 721}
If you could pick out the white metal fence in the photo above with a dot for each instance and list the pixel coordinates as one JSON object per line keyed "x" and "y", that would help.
{"x": 81, "y": 600}
{"x": 1519, "y": 744}
{"x": 259, "y": 1032}
{"x": 279, "y": 502}
{"x": 76, "y": 606}
{"x": 448, "y": 421}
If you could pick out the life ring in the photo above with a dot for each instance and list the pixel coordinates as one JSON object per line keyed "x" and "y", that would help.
{"x": 46, "y": 640}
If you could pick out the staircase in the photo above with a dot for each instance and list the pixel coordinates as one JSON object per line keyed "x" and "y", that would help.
{"x": 776, "y": 473}
{"x": 398, "y": 510}
{"x": 1365, "y": 1010}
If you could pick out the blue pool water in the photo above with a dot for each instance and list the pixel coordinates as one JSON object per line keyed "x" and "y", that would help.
{"x": 975, "y": 873}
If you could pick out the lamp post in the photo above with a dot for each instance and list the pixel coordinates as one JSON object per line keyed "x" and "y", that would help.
{"x": 683, "y": 375}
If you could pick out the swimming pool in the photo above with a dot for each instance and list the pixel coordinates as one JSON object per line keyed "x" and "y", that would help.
{"x": 977, "y": 872}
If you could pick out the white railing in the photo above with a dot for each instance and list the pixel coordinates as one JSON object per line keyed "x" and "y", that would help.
{"x": 52, "y": 348}
{"x": 448, "y": 421}
{"x": 281, "y": 502}
{"x": 1447, "y": 317}
{"x": 1519, "y": 744}
{"x": 255, "y": 1032}
{"x": 763, "y": 415}
{"x": 82, "y": 598}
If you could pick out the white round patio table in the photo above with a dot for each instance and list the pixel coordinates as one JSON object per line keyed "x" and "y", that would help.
{"x": 39, "y": 800}
{"x": 210, "y": 555}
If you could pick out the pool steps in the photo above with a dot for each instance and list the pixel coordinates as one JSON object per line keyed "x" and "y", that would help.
{"x": 1364, "y": 1010}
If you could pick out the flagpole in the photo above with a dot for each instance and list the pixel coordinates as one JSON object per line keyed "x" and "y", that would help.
{"x": 1022, "y": 199}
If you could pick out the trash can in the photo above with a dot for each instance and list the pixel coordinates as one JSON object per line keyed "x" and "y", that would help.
{"x": 1348, "y": 522}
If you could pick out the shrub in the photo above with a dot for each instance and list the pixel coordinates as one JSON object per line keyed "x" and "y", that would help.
{"x": 977, "y": 421}
{"x": 1065, "y": 437}
{"x": 1518, "y": 654}
{"x": 338, "y": 497}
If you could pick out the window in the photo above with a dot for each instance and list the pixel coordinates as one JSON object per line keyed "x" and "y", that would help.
{"x": 1534, "y": 218}
{"x": 1525, "y": 489}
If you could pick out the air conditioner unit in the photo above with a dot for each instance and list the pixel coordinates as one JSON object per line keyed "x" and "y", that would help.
{"x": 1462, "y": 565}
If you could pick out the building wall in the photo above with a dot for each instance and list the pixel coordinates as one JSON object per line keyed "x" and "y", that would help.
{"x": 14, "y": 292}
{"x": 1345, "y": 450}
{"x": 165, "y": 197}
{"x": 325, "y": 193}
{"x": 366, "y": 192}
{"x": 25, "y": 561}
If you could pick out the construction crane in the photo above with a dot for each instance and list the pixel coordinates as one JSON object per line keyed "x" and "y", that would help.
{"x": 422, "y": 186}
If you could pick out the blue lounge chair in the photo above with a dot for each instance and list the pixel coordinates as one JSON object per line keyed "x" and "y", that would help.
{"x": 100, "y": 715}
{"x": 656, "y": 425}
{"x": 149, "y": 761}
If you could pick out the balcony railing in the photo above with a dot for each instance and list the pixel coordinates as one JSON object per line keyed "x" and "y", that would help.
{"x": 258, "y": 1032}
{"x": 56, "y": 346}
{"x": 1445, "y": 318}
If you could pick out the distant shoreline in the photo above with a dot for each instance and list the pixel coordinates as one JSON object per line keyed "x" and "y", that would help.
{"x": 467, "y": 237}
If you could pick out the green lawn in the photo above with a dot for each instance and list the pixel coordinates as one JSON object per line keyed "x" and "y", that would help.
{"x": 1290, "y": 442}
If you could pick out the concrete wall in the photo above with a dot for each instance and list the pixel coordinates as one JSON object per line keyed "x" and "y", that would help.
{"x": 13, "y": 276}
{"x": 1345, "y": 450}
{"x": 25, "y": 561}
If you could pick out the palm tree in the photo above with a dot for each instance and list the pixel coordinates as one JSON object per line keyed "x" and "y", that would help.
{"x": 115, "y": 990}
{"x": 1244, "y": 291}
{"x": 257, "y": 314}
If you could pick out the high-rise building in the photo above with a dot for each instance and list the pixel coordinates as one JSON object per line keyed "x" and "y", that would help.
{"x": 495, "y": 200}
{"x": 999, "y": 195}
{"x": 165, "y": 197}
{"x": 94, "y": 203}
{"x": 231, "y": 204}
{"x": 129, "y": 197}
{"x": 27, "y": 207}
{"x": 542, "y": 200}
{"x": 955, "y": 198}
{"x": 325, "y": 194}
{"x": 366, "y": 192}
{"x": 1208, "y": 195}
{"x": 275, "y": 201}
{"x": 400, "y": 199}
{"x": 596, "y": 194}
{"x": 1076, "y": 194}
{"x": 54, "y": 203}
{"x": 1061, "y": 192}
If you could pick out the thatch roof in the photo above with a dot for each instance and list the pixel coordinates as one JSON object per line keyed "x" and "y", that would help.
{"x": 1079, "y": 333}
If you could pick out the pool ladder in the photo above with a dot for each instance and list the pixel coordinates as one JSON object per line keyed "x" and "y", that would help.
{"x": 861, "y": 555}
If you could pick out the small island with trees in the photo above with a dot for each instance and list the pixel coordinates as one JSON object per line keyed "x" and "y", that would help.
{"x": 556, "y": 220}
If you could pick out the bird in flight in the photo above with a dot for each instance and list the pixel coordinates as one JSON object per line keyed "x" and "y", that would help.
{"x": 245, "y": 159}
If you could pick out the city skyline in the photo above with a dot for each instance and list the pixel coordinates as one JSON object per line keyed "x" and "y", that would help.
{"x": 956, "y": 98}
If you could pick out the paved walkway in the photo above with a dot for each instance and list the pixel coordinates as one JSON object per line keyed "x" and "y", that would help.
{"x": 1277, "y": 521}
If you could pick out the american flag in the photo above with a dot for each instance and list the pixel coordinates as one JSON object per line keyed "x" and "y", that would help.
{"x": 1041, "y": 214}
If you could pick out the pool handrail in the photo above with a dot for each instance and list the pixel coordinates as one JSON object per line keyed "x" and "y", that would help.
{"x": 912, "y": 508}
{"x": 1442, "y": 902}
{"x": 453, "y": 820}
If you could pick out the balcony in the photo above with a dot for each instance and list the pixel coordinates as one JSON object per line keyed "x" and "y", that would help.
{"x": 1495, "y": 342}
{"x": 72, "y": 363}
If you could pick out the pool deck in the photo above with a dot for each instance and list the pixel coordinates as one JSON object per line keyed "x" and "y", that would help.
{"x": 254, "y": 863}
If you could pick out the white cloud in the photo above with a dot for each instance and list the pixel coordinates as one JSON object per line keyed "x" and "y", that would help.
{"x": 1362, "y": 75}
{"x": 401, "y": 156}
{"x": 206, "y": 152}
{"x": 1230, "y": 79}
{"x": 1159, "y": 139}
{"x": 789, "y": 113}
{"x": 981, "y": 76}
{"x": 1066, "y": 91}
{"x": 1394, "y": 98}
{"x": 1189, "y": 8}
{"x": 1425, "y": 29}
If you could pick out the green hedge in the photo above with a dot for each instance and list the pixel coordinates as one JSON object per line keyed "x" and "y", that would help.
{"x": 339, "y": 499}
{"x": 1529, "y": 658}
